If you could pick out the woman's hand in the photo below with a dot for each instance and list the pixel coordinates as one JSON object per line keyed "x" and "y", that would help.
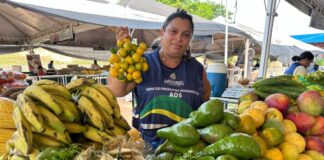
{"x": 122, "y": 33}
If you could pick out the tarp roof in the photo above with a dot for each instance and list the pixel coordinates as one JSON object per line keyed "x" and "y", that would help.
{"x": 310, "y": 38}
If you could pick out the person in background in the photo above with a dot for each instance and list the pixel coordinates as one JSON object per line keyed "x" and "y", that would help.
{"x": 95, "y": 65}
{"x": 301, "y": 62}
{"x": 173, "y": 76}
{"x": 50, "y": 66}
{"x": 41, "y": 71}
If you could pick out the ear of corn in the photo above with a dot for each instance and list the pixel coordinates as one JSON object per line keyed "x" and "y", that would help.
{"x": 5, "y": 135}
{"x": 6, "y": 108}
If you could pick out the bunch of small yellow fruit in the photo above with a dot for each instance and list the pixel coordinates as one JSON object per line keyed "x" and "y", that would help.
{"x": 127, "y": 61}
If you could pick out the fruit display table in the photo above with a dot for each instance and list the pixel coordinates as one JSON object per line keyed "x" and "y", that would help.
{"x": 65, "y": 79}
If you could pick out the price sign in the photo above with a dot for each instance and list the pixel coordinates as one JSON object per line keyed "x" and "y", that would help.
{"x": 235, "y": 92}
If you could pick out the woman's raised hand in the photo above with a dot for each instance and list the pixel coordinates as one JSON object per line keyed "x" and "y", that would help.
{"x": 122, "y": 33}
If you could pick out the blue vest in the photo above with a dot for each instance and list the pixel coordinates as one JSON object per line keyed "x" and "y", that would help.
{"x": 166, "y": 95}
{"x": 290, "y": 70}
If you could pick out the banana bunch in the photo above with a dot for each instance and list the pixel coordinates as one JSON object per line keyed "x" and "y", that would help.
{"x": 100, "y": 109}
{"x": 48, "y": 114}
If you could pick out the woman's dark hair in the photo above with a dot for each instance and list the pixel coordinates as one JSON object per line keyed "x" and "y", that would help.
{"x": 184, "y": 15}
{"x": 181, "y": 14}
{"x": 305, "y": 55}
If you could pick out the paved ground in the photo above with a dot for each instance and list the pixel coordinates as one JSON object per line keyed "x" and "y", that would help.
{"x": 125, "y": 109}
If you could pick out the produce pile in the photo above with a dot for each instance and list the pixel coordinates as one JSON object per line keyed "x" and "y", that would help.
{"x": 48, "y": 115}
{"x": 127, "y": 61}
{"x": 12, "y": 83}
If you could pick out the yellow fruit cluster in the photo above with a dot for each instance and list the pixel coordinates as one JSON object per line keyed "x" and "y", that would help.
{"x": 127, "y": 61}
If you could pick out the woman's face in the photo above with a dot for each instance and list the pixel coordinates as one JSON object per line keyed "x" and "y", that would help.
{"x": 176, "y": 37}
{"x": 306, "y": 62}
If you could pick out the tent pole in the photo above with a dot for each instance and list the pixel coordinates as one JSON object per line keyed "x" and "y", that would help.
{"x": 246, "y": 58}
{"x": 226, "y": 36}
{"x": 270, "y": 13}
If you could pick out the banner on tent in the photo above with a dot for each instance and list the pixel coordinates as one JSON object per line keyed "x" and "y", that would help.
{"x": 62, "y": 35}
{"x": 33, "y": 61}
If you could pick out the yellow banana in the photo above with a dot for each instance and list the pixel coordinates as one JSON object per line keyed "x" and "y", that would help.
{"x": 117, "y": 130}
{"x": 59, "y": 136}
{"x": 70, "y": 111}
{"x": 98, "y": 98}
{"x": 76, "y": 84}
{"x": 10, "y": 145}
{"x": 23, "y": 135}
{"x": 18, "y": 157}
{"x": 97, "y": 135}
{"x": 44, "y": 81}
{"x": 31, "y": 112}
{"x": 42, "y": 141}
{"x": 95, "y": 118}
{"x": 75, "y": 128}
{"x": 51, "y": 120}
{"x": 122, "y": 123}
{"x": 57, "y": 89}
{"x": 36, "y": 92}
{"x": 107, "y": 118}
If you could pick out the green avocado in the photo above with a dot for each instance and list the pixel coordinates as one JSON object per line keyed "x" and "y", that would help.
{"x": 226, "y": 157}
{"x": 231, "y": 119}
{"x": 214, "y": 132}
{"x": 165, "y": 156}
{"x": 169, "y": 146}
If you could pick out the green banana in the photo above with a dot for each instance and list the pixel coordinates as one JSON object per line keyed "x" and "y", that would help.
{"x": 70, "y": 111}
{"x": 97, "y": 135}
{"x": 98, "y": 98}
{"x": 57, "y": 89}
{"x": 24, "y": 136}
{"x": 36, "y": 92}
{"x": 44, "y": 81}
{"x": 117, "y": 130}
{"x": 76, "y": 84}
{"x": 42, "y": 141}
{"x": 122, "y": 123}
{"x": 31, "y": 112}
{"x": 59, "y": 136}
{"x": 51, "y": 120}
{"x": 95, "y": 118}
{"x": 110, "y": 97}
{"x": 75, "y": 128}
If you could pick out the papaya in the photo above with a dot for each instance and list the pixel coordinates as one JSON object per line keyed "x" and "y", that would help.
{"x": 209, "y": 112}
{"x": 231, "y": 119}
{"x": 165, "y": 156}
{"x": 180, "y": 134}
{"x": 214, "y": 132}
{"x": 169, "y": 146}
{"x": 239, "y": 145}
{"x": 226, "y": 157}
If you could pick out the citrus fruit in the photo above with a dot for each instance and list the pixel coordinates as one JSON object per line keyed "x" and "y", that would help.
{"x": 131, "y": 69}
{"x": 247, "y": 124}
{"x": 136, "y": 57}
{"x": 138, "y": 80}
{"x": 140, "y": 51}
{"x": 129, "y": 77}
{"x": 243, "y": 106}
{"x": 304, "y": 157}
{"x": 289, "y": 151}
{"x": 296, "y": 139}
{"x": 143, "y": 45}
{"x": 114, "y": 58}
{"x": 124, "y": 65}
{"x": 129, "y": 60}
{"x": 273, "y": 154}
{"x": 113, "y": 72}
{"x": 127, "y": 46}
{"x": 136, "y": 74}
{"x": 120, "y": 43}
{"x": 272, "y": 136}
{"x": 134, "y": 47}
{"x": 138, "y": 66}
{"x": 289, "y": 126}
{"x": 145, "y": 67}
{"x": 274, "y": 113}
{"x": 257, "y": 116}
{"x": 262, "y": 143}
{"x": 260, "y": 105}
{"x": 121, "y": 70}
{"x": 117, "y": 65}
{"x": 122, "y": 52}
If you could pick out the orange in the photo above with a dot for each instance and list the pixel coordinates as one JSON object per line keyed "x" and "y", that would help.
{"x": 289, "y": 151}
{"x": 304, "y": 157}
{"x": 247, "y": 125}
{"x": 120, "y": 43}
{"x": 296, "y": 139}
{"x": 262, "y": 143}
{"x": 143, "y": 45}
{"x": 127, "y": 40}
{"x": 257, "y": 116}
{"x": 122, "y": 52}
{"x": 124, "y": 65}
{"x": 260, "y": 105}
{"x": 139, "y": 80}
{"x": 274, "y": 113}
{"x": 113, "y": 72}
{"x": 136, "y": 74}
{"x": 143, "y": 60}
{"x": 129, "y": 60}
{"x": 272, "y": 136}
{"x": 138, "y": 66}
{"x": 131, "y": 69}
{"x": 129, "y": 77}
{"x": 243, "y": 106}
{"x": 114, "y": 58}
{"x": 127, "y": 46}
{"x": 117, "y": 65}
{"x": 289, "y": 126}
{"x": 140, "y": 51}
{"x": 134, "y": 47}
{"x": 136, "y": 57}
{"x": 273, "y": 154}
{"x": 145, "y": 67}
{"x": 121, "y": 70}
